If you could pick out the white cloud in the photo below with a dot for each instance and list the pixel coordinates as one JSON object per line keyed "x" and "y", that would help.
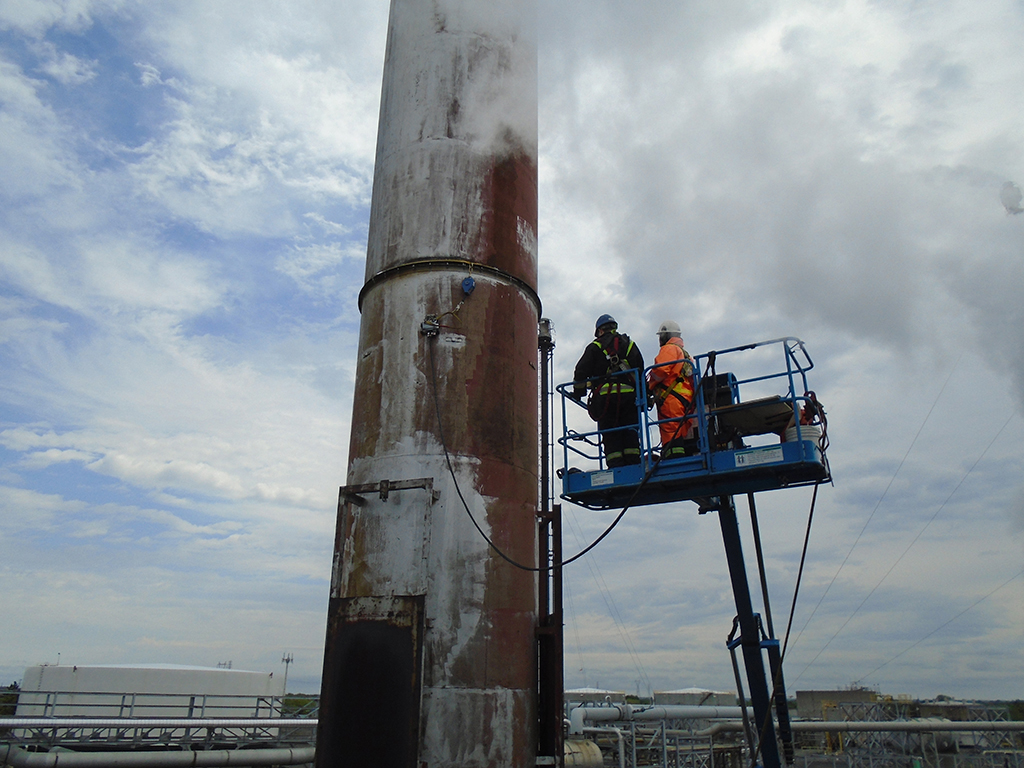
{"x": 32, "y": 153}
{"x": 314, "y": 267}
{"x": 35, "y": 17}
{"x": 260, "y": 109}
{"x": 180, "y": 265}
{"x": 51, "y": 456}
{"x": 819, "y": 172}
{"x": 66, "y": 68}
{"x": 148, "y": 74}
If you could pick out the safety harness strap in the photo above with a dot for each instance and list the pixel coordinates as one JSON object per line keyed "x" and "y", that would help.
{"x": 616, "y": 365}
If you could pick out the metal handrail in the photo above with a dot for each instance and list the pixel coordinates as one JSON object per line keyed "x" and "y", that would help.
{"x": 797, "y": 362}
{"x": 105, "y": 703}
{"x": 156, "y": 722}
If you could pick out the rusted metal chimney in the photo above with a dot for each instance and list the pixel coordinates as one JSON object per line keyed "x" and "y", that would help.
{"x": 430, "y": 656}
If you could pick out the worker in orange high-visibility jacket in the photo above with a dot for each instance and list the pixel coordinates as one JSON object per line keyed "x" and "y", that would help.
{"x": 670, "y": 382}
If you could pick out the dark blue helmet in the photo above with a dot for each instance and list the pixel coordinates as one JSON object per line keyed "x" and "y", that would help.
{"x": 605, "y": 320}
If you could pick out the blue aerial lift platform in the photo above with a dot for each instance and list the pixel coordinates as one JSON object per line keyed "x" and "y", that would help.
{"x": 785, "y": 426}
{"x": 785, "y": 453}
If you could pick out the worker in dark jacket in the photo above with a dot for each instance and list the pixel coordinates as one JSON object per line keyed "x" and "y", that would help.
{"x": 606, "y": 369}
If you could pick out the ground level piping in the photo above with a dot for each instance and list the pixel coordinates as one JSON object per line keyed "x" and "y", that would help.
{"x": 618, "y": 713}
{"x": 922, "y": 725}
{"x": 157, "y": 722}
{"x": 19, "y": 758}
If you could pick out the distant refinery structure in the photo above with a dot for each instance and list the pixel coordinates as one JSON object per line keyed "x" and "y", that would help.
{"x": 430, "y": 653}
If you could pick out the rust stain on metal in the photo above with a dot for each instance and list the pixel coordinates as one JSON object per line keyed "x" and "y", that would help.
{"x": 455, "y": 185}
{"x": 373, "y": 652}
{"x": 510, "y": 202}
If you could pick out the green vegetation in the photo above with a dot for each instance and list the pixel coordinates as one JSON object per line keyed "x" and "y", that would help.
{"x": 8, "y": 703}
{"x": 299, "y": 705}
{"x": 633, "y": 699}
{"x": 9, "y": 700}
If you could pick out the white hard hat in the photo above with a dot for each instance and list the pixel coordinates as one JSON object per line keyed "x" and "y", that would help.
{"x": 670, "y": 326}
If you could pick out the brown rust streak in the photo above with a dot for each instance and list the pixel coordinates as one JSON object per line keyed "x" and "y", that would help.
{"x": 509, "y": 196}
{"x": 502, "y": 395}
{"x": 367, "y": 395}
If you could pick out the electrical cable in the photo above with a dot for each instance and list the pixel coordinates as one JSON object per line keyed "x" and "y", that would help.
{"x": 799, "y": 574}
{"x": 465, "y": 504}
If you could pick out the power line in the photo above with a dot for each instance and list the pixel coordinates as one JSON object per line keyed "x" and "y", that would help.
{"x": 868, "y": 522}
{"x": 567, "y": 587}
{"x": 914, "y": 540}
{"x": 930, "y": 521}
{"x": 945, "y": 624}
{"x": 613, "y": 611}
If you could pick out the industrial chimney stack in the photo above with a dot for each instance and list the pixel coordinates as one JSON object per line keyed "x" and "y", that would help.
{"x": 430, "y": 655}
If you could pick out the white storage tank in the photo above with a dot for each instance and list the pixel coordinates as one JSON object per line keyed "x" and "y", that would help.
{"x": 158, "y": 690}
{"x": 697, "y": 697}
{"x": 594, "y": 696}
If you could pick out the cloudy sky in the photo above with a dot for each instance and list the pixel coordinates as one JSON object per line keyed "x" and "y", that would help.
{"x": 184, "y": 196}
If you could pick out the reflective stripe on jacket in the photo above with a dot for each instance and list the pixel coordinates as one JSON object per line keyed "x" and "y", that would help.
{"x": 675, "y": 378}
{"x": 620, "y": 383}
{"x": 596, "y": 368}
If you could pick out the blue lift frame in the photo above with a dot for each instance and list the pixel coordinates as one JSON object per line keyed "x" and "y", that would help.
{"x": 720, "y": 465}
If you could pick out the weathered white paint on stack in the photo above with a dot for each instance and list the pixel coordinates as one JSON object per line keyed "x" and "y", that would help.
{"x": 430, "y": 645}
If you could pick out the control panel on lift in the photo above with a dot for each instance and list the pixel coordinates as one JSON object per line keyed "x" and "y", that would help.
{"x": 775, "y": 439}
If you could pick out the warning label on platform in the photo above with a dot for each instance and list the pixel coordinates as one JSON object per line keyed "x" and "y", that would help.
{"x": 602, "y": 478}
{"x": 767, "y": 455}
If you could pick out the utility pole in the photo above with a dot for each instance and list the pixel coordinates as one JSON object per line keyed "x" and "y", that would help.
{"x": 286, "y": 659}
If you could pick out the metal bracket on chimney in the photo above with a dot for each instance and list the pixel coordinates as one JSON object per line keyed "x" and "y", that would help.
{"x": 352, "y": 493}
